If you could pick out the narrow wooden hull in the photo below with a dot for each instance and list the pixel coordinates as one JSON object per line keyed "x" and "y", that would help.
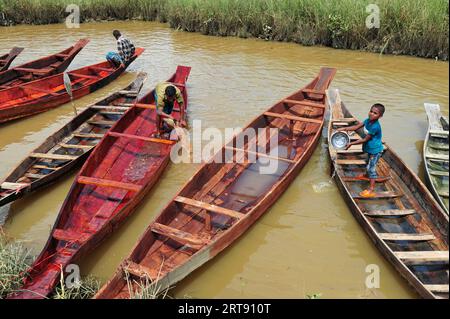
{"x": 45, "y": 94}
{"x": 227, "y": 195}
{"x": 7, "y": 59}
{"x": 34, "y": 173}
{"x": 41, "y": 68}
{"x": 404, "y": 221}
{"x": 436, "y": 155}
{"x": 112, "y": 182}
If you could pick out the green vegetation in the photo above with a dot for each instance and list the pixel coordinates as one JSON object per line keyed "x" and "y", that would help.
{"x": 412, "y": 27}
{"x": 14, "y": 262}
{"x": 84, "y": 289}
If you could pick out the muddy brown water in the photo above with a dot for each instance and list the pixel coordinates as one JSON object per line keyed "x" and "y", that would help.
{"x": 308, "y": 242}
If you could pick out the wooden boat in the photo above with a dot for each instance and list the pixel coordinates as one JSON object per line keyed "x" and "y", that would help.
{"x": 112, "y": 182}
{"x": 404, "y": 220}
{"x": 7, "y": 59}
{"x": 225, "y": 197}
{"x": 44, "y": 94}
{"x": 69, "y": 146}
{"x": 435, "y": 154}
{"x": 41, "y": 68}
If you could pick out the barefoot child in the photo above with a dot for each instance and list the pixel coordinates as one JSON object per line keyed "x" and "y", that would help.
{"x": 372, "y": 144}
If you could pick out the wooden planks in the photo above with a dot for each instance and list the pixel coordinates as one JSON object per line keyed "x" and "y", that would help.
{"x": 87, "y": 135}
{"x": 351, "y": 162}
{"x": 305, "y": 103}
{"x": 84, "y": 76}
{"x": 35, "y": 176}
{"x": 441, "y": 157}
{"x": 142, "y": 138}
{"x": 408, "y": 237}
{"x": 108, "y": 183}
{"x": 438, "y": 173}
{"x": 13, "y": 186}
{"x": 76, "y": 146}
{"x": 210, "y": 207}
{"x": 380, "y": 195}
{"x": 111, "y": 108}
{"x": 422, "y": 256}
{"x": 106, "y": 123}
{"x": 177, "y": 235}
{"x": 437, "y": 288}
{"x": 139, "y": 270}
{"x": 292, "y": 118}
{"x": 69, "y": 235}
{"x": 390, "y": 213}
{"x": 260, "y": 154}
{"x": 45, "y": 167}
{"x": 54, "y": 156}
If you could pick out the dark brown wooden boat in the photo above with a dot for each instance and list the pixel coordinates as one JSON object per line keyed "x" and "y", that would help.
{"x": 7, "y": 59}
{"x": 44, "y": 94}
{"x": 70, "y": 146}
{"x": 404, "y": 220}
{"x": 435, "y": 154}
{"x": 124, "y": 166}
{"x": 227, "y": 195}
{"x": 40, "y": 68}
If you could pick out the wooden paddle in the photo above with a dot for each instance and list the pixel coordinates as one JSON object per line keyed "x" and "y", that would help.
{"x": 68, "y": 86}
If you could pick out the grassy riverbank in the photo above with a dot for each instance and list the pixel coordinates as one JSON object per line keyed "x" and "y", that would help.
{"x": 412, "y": 27}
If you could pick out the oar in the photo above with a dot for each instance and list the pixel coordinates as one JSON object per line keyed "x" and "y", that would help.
{"x": 68, "y": 86}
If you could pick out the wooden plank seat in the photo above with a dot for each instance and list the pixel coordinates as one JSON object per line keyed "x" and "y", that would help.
{"x": 379, "y": 195}
{"x": 292, "y": 118}
{"x": 312, "y": 91}
{"x": 209, "y": 207}
{"x": 108, "y": 183}
{"x": 358, "y": 179}
{"x": 110, "y": 113}
{"x": 437, "y": 288}
{"x": 13, "y": 186}
{"x": 351, "y": 162}
{"x": 85, "y": 76}
{"x": 439, "y": 133}
{"x": 390, "y": 213}
{"x": 408, "y": 237}
{"x": 76, "y": 146}
{"x": 138, "y": 270}
{"x": 98, "y": 68}
{"x": 443, "y": 193}
{"x": 88, "y": 135}
{"x": 105, "y": 123}
{"x": 178, "y": 235}
{"x": 350, "y": 151}
{"x": 305, "y": 103}
{"x": 125, "y": 92}
{"x": 54, "y": 156}
{"x": 142, "y": 138}
{"x": 109, "y": 107}
{"x": 345, "y": 120}
{"x": 70, "y": 235}
{"x": 440, "y": 157}
{"x": 45, "y": 167}
{"x": 260, "y": 154}
{"x": 35, "y": 176}
{"x": 422, "y": 256}
{"x": 438, "y": 173}
{"x": 61, "y": 55}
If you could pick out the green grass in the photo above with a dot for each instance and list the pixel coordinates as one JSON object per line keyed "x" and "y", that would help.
{"x": 412, "y": 27}
{"x": 14, "y": 262}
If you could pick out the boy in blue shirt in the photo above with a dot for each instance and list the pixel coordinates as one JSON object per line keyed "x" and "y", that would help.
{"x": 372, "y": 144}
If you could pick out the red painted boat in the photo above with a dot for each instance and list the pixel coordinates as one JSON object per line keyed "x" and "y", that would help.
{"x": 41, "y": 68}
{"x": 125, "y": 165}
{"x": 70, "y": 146}
{"x": 224, "y": 198}
{"x": 44, "y": 94}
{"x": 7, "y": 59}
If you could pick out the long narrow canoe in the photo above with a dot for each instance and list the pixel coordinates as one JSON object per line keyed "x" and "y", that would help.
{"x": 7, "y": 59}
{"x": 44, "y": 94}
{"x": 41, "y": 68}
{"x": 228, "y": 194}
{"x": 112, "y": 182}
{"x": 404, "y": 220}
{"x": 69, "y": 146}
{"x": 435, "y": 154}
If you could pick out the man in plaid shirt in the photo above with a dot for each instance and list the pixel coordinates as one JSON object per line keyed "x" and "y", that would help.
{"x": 125, "y": 50}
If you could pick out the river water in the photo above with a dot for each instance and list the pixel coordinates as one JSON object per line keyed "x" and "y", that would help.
{"x": 308, "y": 242}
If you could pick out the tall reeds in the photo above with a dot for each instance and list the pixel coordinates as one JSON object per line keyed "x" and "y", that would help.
{"x": 412, "y": 27}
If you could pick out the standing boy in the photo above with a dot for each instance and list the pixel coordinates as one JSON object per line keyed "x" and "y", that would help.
{"x": 372, "y": 144}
